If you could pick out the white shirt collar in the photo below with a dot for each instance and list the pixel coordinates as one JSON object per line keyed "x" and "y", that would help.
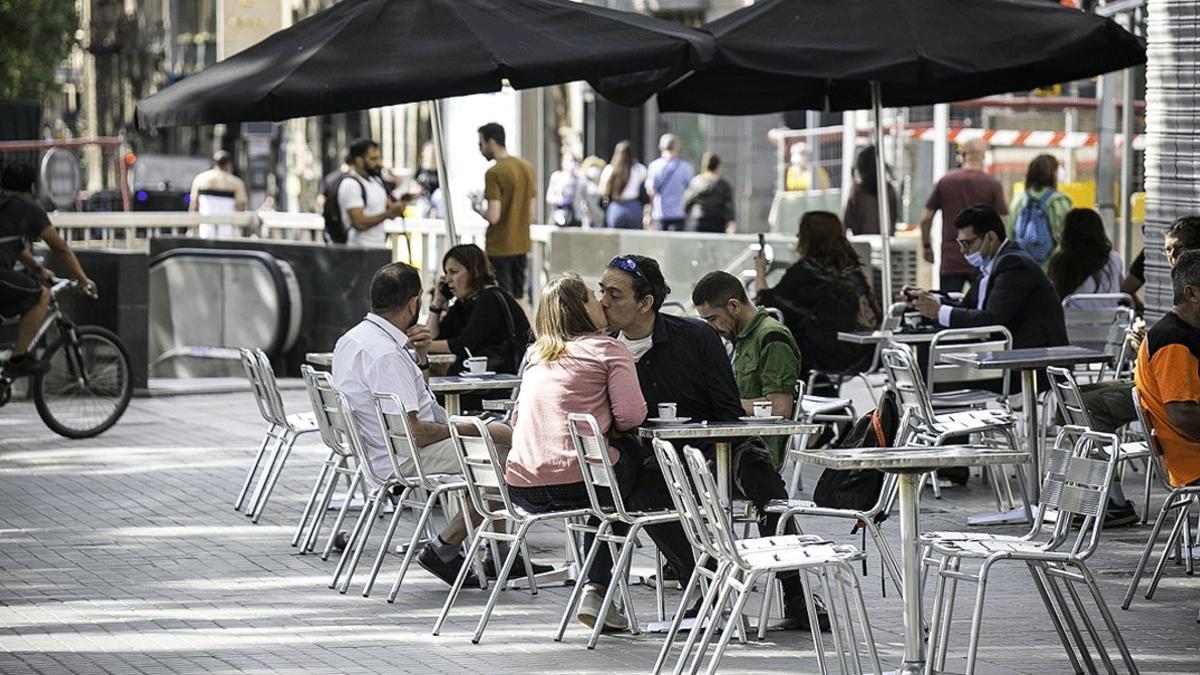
{"x": 388, "y": 327}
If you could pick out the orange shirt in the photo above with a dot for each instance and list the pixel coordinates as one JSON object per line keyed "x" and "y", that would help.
{"x": 1168, "y": 371}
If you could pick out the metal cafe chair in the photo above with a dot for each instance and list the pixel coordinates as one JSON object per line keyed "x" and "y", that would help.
{"x": 1070, "y": 403}
{"x": 742, "y": 563}
{"x": 1100, "y": 321}
{"x": 927, "y": 427}
{"x": 340, "y": 463}
{"x": 421, "y": 492}
{"x": 1079, "y": 468}
{"x": 608, "y": 506}
{"x": 808, "y": 410}
{"x": 282, "y": 431}
{"x": 484, "y": 476}
{"x": 1180, "y": 500}
{"x": 942, "y": 371}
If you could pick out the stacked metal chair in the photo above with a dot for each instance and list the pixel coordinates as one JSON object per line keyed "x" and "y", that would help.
{"x": 282, "y": 431}
{"x": 342, "y": 462}
{"x": 1078, "y": 470}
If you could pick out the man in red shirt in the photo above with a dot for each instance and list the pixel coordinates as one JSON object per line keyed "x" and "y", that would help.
{"x": 965, "y": 186}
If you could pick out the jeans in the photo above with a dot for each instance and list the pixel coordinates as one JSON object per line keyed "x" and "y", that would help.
{"x": 510, "y": 273}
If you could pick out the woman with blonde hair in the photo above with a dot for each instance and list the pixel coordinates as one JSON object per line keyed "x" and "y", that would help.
{"x": 573, "y": 367}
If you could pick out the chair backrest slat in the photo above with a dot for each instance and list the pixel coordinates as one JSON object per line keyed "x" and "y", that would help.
{"x": 398, "y": 437}
{"x": 716, "y": 519}
{"x": 691, "y": 516}
{"x": 1098, "y": 320}
{"x": 329, "y": 421}
{"x": 263, "y": 385}
{"x": 1079, "y": 469}
{"x": 481, "y": 466}
{"x": 1069, "y": 398}
{"x": 1152, "y": 442}
{"x": 594, "y": 461}
{"x": 905, "y": 380}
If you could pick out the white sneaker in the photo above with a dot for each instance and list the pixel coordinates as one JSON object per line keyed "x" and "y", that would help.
{"x": 589, "y": 609}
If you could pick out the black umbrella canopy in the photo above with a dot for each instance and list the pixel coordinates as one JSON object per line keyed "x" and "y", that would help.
{"x": 822, "y": 54}
{"x": 361, "y": 54}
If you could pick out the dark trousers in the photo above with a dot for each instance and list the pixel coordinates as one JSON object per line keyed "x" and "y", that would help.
{"x": 671, "y": 224}
{"x": 954, "y": 283}
{"x": 754, "y": 477}
{"x": 510, "y": 273}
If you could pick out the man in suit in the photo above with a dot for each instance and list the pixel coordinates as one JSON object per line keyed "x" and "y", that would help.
{"x": 1008, "y": 288}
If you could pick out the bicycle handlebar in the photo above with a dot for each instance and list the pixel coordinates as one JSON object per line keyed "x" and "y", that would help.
{"x": 58, "y": 285}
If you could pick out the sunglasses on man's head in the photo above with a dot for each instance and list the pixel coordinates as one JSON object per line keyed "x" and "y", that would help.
{"x": 626, "y": 265}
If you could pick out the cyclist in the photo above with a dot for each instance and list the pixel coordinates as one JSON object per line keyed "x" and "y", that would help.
{"x": 22, "y": 221}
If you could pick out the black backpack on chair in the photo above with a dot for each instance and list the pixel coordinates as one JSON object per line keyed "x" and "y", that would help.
{"x": 858, "y": 489}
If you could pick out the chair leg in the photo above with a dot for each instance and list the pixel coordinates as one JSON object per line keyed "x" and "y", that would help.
{"x": 977, "y": 620}
{"x": 886, "y": 558}
{"x": 502, "y": 577}
{"x": 1180, "y": 523}
{"x": 581, "y": 580}
{"x": 312, "y": 499}
{"x": 864, "y": 621}
{"x": 278, "y": 437}
{"x": 689, "y": 590}
{"x": 1149, "y": 480}
{"x": 362, "y": 526}
{"x": 738, "y": 606}
{"x": 846, "y": 622}
{"x": 707, "y": 612}
{"x": 331, "y": 481}
{"x": 937, "y": 627}
{"x": 337, "y": 523}
{"x": 472, "y": 551}
{"x": 764, "y": 612}
{"x": 413, "y": 544}
{"x": 1035, "y": 572}
{"x": 388, "y": 535}
{"x": 839, "y": 643}
{"x": 620, "y": 581}
{"x": 285, "y": 451}
{"x": 1105, "y": 614}
{"x": 660, "y": 599}
{"x": 1146, "y": 551}
{"x": 258, "y": 457}
{"x": 1085, "y": 617}
{"x": 714, "y": 623}
{"x": 1068, "y": 618}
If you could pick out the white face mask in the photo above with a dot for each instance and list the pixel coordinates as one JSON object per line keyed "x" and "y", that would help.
{"x": 975, "y": 259}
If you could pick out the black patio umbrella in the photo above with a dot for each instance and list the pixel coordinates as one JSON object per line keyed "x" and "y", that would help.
{"x": 367, "y": 53}
{"x": 778, "y": 55}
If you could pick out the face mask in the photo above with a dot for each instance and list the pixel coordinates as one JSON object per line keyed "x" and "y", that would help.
{"x": 976, "y": 259}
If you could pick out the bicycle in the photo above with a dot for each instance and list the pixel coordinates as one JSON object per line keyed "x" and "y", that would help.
{"x": 87, "y": 386}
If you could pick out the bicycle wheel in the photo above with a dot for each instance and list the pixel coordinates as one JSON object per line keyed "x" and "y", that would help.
{"x": 88, "y": 385}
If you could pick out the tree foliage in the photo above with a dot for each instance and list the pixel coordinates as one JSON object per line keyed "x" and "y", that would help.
{"x": 35, "y": 37}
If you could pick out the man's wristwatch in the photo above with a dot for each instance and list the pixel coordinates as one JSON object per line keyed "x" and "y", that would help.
{"x": 423, "y": 366}
{"x": 436, "y": 310}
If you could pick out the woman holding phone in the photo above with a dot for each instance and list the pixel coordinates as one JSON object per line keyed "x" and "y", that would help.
{"x": 470, "y": 315}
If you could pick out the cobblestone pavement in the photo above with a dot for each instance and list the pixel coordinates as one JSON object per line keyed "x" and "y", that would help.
{"x": 122, "y": 554}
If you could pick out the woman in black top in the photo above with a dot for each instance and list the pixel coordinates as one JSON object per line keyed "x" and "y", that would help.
{"x": 483, "y": 319}
{"x": 709, "y": 198}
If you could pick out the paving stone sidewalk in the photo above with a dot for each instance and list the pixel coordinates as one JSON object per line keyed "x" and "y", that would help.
{"x": 123, "y": 554}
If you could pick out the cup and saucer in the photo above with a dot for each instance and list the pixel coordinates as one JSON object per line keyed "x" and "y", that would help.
{"x": 476, "y": 366}
{"x": 668, "y": 414}
{"x": 762, "y": 413}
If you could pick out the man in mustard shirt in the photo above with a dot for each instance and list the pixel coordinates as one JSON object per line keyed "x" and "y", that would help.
{"x": 509, "y": 192}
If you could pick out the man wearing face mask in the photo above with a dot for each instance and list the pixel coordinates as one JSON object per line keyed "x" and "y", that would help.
{"x": 363, "y": 199}
{"x": 1008, "y": 288}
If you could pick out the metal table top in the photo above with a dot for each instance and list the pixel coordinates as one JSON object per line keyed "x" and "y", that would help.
{"x": 911, "y": 459}
{"x": 326, "y": 358}
{"x": 1031, "y": 358}
{"x": 870, "y": 337}
{"x": 726, "y": 429}
{"x": 453, "y": 384}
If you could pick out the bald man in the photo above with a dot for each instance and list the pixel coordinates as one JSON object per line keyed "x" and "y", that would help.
{"x": 965, "y": 186}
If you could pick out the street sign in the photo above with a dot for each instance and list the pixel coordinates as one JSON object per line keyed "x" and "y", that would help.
{"x": 61, "y": 179}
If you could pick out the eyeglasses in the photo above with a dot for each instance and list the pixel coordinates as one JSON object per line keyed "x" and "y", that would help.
{"x": 627, "y": 265}
{"x": 964, "y": 244}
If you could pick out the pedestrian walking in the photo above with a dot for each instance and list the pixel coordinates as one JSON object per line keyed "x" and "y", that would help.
{"x": 667, "y": 179}
{"x": 709, "y": 198}
{"x": 566, "y": 194}
{"x": 862, "y": 208}
{"x": 218, "y": 191}
{"x": 507, "y": 205}
{"x": 621, "y": 185}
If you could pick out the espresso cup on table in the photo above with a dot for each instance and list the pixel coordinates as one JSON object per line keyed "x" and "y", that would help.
{"x": 475, "y": 365}
{"x": 667, "y": 411}
{"x": 763, "y": 409}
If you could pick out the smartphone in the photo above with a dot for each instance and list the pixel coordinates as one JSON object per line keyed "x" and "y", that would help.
{"x": 444, "y": 289}
{"x": 762, "y": 245}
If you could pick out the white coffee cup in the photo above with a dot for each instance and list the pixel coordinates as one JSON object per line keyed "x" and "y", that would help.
{"x": 762, "y": 409}
{"x": 667, "y": 411}
{"x": 475, "y": 365}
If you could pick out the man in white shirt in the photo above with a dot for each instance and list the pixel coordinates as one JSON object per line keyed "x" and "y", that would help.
{"x": 218, "y": 191}
{"x": 363, "y": 199}
{"x": 374, "y": 356}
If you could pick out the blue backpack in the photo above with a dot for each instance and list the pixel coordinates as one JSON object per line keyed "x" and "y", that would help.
{"x": 1033, "y": 232}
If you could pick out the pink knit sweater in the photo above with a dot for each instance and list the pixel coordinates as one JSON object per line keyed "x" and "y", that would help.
{"x": 595, "y": 376}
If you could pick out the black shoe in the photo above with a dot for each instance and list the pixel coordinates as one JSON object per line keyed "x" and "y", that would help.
{"x": 25, "y": 366}
{"x": 1120, "y": 516}
{"x": 795, "y": 615}
{"x": 340, "y": 541}
{"x": 446, "y": 570}
{"x": 518, "y": 568}
{"x": 957, "y": 475}
{"x": 670, "y": 578}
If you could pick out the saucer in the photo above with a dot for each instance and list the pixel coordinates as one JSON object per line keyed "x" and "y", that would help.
{"x": 668, "y": 420}
{"x": 485, "y": 373}
{"x": 752, "y": 418}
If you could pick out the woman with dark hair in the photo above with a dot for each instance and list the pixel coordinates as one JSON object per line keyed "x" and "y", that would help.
{"x": 824, "y": 292}
{"x": 1085, "y": 261}
{"x": 1041, "y": 188}
{"x": 621, "y": 188}
{"x": 862, "y": 208}
{"x": 482, "y": 320}
{"x": 708, "y": 199}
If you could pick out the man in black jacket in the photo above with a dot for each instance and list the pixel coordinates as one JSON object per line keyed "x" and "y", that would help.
{"x": 1009, "y": 288}
{"x": 682, "y": 361}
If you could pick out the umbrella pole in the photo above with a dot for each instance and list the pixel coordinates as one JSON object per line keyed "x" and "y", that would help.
{"x": 881, "y": 194}
{"x": 439, "y": 149}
